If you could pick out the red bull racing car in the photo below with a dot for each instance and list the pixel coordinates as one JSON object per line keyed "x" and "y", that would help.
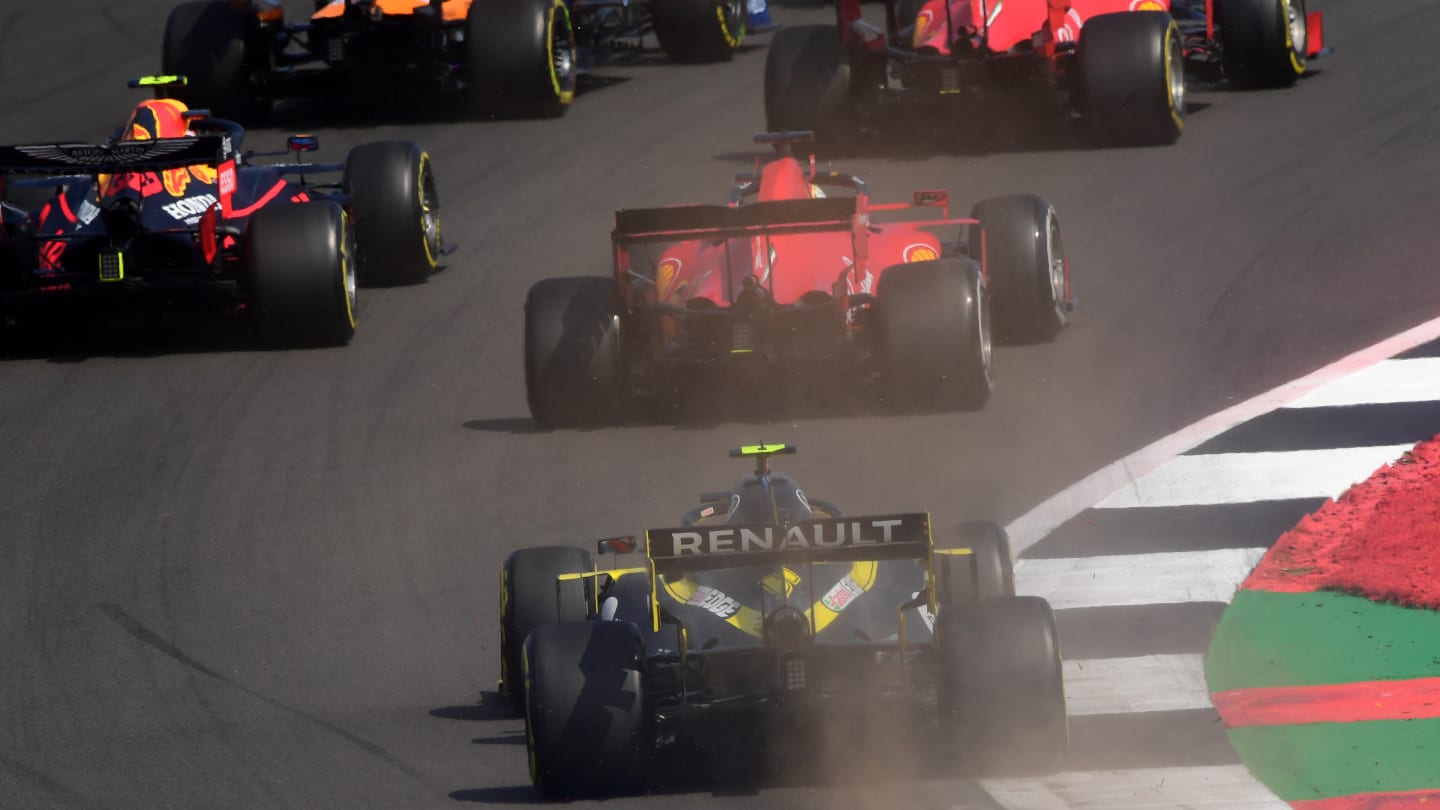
{"x": 1120, "y": 65}
{"x": 170, "y": 211}
{"x": 512, "y": 57}
{"x": 767, "y": 621}
{"x": 795, "y": 277}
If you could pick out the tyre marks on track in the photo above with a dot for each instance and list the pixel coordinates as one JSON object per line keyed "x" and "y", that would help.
{"x": 1140, "y": 559}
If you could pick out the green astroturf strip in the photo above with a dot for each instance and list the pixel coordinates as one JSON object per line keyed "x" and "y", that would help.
{"x": 1301, "y": 639}
{"x": 1336, "y": 759}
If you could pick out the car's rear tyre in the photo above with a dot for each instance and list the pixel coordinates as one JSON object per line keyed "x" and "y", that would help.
{"x": 574, "y": 372}
{"x": 520, "y": 57}
{"x": 1002, "y": 693}
{"x": 531, "y": 596}
{"x": 1132, "y": 79}
{"x": 694, "y": 31}
{"x": 1025, "y": 261}
{"x": 205, "y": 42}
{"x": 1263, "y": 43}
{"x": 585, "y": 709}
{"x": 807, "y": 82}
{"x": 933, "y": 321}
{"x": 986, "y": 572}
{"x": 396, "y": 209}
{"x": 300, "y": 260}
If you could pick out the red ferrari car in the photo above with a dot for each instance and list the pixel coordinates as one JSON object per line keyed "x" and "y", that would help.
{"x": 797, "y": 275}
{"x": 1119, "y": 65}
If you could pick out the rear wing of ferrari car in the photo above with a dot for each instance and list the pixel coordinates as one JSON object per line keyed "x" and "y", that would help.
{"x": 774, "y": 217}
{"x": 723, "y": 223}
{"x": 124, "y": 156}
{"x": 673, "y": 552}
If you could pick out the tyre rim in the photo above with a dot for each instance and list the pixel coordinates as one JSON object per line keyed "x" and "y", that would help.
{"x": 1055, "y": 254}
{"x": 1298, "y": 31}
{"x": 1175, "y": 71}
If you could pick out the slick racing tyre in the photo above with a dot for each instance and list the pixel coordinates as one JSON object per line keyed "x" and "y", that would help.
{"x": 1263, "y": 43}
{"x": 1132, "y": 79}
{"x": 976, "y": 564}
{"x": 520, "y": 57}
{"x": 585, "y": 709}
{"x": 698, "y": 30}
{"x": 1025, "y": 262}
{"x": 205, "y": 42}
{"x": 396, "y": 211}
{"x": 300, "y": 260}
{"x": 574, "y": 372}
{"x": 807, "y": 81}
{"x": 934, "y": 335}
{"x": 529, "y": 598}
{"x": 1002, "y": 694}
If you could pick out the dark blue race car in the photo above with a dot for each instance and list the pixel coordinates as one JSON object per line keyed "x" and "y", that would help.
{"x": 171, "y": 212}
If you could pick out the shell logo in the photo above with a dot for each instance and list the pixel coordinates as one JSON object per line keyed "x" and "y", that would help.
{"x": 922, "y": 27}
{"x": 920, "y": 253}
{"x": 1148, "y": 5}
{"x": 1068, "y": 31}
{"x": 665, "y": 275}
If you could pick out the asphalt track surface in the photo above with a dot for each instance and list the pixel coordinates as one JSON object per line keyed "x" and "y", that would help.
{"x": 241, "y": 578}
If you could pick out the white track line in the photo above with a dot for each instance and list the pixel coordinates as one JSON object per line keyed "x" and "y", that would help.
{"x": 1031, "y": 527}
{"x": 1217, "y": 786}
{"x": 1137, "y": 579}
{"x": 1247, "y": 477}
{"x": 1147, "y": 683}
{"x": 1414, "y": 380}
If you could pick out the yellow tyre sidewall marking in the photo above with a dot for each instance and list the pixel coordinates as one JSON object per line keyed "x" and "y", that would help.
{"x": 1296, "y": 63}
{"x": 430, "y": 256}
{"x": 733, "y": 40}
{"x": 563, "y": 95}
{"x": 345, "y": 286}
{"x": 1172, "y": 34}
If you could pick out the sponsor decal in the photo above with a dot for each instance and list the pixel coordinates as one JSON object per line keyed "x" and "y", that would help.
{"x": 994, "y": 13}
{"x": 841, "y": 594}
{"x": 225, "y": 177}
{"x": 922, "y": 27}
{"x": 190, "y": 210}
{"x": 1147, "y": 5}
{"x": 714, "y": 601}
{"x": 665, "y": 275}
{"x": 1071, "y": 28}
{"x": 919, "y": 253}
{"x": 91, "y": 155}
{"x": 87, "y": 212}
{"x": 809, "y": 535}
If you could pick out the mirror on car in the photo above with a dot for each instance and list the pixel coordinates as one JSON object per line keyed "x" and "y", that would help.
{"x": 303, "y": 143}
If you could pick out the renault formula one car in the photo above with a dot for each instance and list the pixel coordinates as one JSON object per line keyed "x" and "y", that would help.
{"x": 764, "y": 618}
{"x": 1120, "y": 65}
{"x": 171, "y": 211}
{"x": 786, "y": 281}
{"x": 510, "y": 56}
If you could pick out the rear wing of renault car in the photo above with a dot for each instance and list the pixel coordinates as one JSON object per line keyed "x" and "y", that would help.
{"x": 689, "y": 549}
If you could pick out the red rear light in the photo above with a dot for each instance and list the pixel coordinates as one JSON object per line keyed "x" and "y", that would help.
{"x": 208, "y": 243}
